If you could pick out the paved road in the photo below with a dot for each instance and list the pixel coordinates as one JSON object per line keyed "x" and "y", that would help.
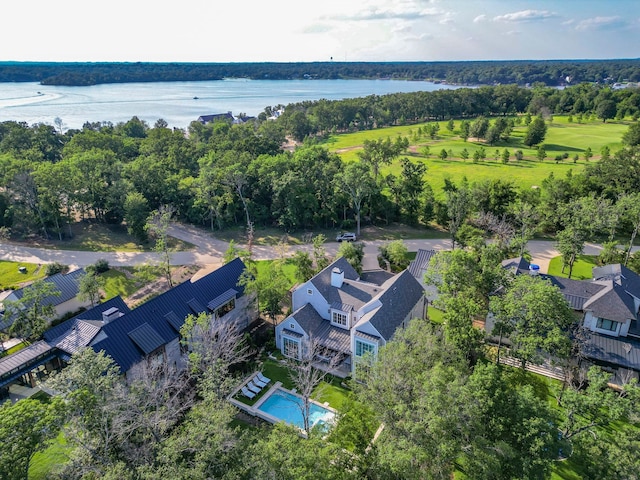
{"x": 208, "y": 251}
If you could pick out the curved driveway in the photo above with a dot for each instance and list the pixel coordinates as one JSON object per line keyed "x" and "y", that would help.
{"x": 209, "y": 251}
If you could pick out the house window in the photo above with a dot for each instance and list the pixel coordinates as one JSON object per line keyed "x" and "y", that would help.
{"x": 339, "y": 318}
{"x": 291, "y": 347}
{"x": 364, "y": 349}
{"x": 604, "y": 324}
{"x": 222, "y": 310}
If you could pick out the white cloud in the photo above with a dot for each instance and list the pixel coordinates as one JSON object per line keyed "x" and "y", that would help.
{"x": 597, "y": 23}
{"x": 525, "y": 16}
{"x": 480, "y": 18}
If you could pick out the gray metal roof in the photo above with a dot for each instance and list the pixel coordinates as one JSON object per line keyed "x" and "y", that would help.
{"x": 146, "y": 338}
{"x": 366, "y": 336}
{"x": 620, "y": 351}
{"x": 419, "y": 266}
{"x": 79, "y": 336}
{"x": 222, "y": 299}
{"x": 333, "y": 338}
{"x": 174, "y": 321}
{"x": 291, "y": 333}
{"x": 345, "y": 307}
{"x": 66, "y": 284}
{"x": 196, "y": 306}
{"x": 24, "y": 356}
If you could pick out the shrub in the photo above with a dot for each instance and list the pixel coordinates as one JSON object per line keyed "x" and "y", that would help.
{"x": 55, "y": 267}
{"x": 101, "y": 266}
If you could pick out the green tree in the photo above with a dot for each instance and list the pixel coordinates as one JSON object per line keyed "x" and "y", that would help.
{"x": 535, "y": 316}
{"x": 536, "y": 132}
{"x": 541, "y": 153}
{"x": 479, "y": 128}
{"x": 158, "y": 226}
{"x": 464, "y": 154}
{"x": 587, "y": 154}
{"x": 443, "y": 154}
{"x": 570, "y": 245}
{"x": 376, "y": 153}
{"x": 411, "y": 187}
{"x": 26, "y": 427}
{"x": 270, "y": 285}
{"x": 89, "y": 288}
{"x": 136, "y": 212}
{"x": 304, "y": 264}
{"x": 353, "y": 253}
{"x": 32, "y": 313}
{"x": 396, "y": 253}
{"x": 356, "y": 181}
{"x": 465, "y": 128}
{"x": 505, "y": 156}
{"x": 458, "y": 201}
{"x": 632, "y": 136}
{"x": 605, "y": 153}
{"x": 606, "y": 109}
{"x": 451, "y": 125}
{"x": 629, "y": 206}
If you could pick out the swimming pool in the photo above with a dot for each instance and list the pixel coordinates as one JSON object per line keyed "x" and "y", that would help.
{"x": 287, "y": 407}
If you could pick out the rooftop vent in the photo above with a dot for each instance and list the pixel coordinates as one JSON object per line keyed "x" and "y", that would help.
{"x": 111, "y": 314}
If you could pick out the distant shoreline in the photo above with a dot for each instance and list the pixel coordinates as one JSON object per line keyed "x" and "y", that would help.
{"x": 462, "y": 73}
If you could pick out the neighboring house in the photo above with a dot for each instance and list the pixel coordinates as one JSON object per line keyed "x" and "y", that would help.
{"x": 150, "y": 332}
{"x": 68, "y": 286}
{"x": 609, "y": 304}
{"x": 348, "y": 315}
{"x": 60, "y": 342}
{"x": 216, "y": 117}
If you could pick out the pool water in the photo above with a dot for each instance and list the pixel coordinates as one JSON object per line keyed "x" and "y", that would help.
{"x": 288, "y": 408}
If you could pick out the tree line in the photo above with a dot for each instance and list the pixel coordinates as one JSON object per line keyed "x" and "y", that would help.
{"x": 547, "y": 72}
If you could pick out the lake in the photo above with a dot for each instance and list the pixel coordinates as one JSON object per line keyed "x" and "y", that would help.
{"x": 179, "y": 103}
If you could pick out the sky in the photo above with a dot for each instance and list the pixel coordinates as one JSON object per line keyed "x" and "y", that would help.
{"x": 323, "y": 30}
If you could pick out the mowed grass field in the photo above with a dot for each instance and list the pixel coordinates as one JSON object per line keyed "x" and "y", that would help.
{"x": 562, "y": 137}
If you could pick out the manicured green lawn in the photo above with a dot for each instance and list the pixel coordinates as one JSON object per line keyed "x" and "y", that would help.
{"x": 435, "y": 315}
{"x": 562, "y": 137}
{"x": 117, "y": 282}
{"x": 288, "y": 268}
{"x": 581, "y": 268}
{"x": 10, "y": 275}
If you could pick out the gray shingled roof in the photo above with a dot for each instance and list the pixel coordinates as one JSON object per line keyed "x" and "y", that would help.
{"x": 400, "y": 296}
{"x": 576, "y": 292}
{"x": 321, "y": 330}
{"x": 612, "y": 303}
{"x": 620, "y": 275}
{"x": 624, "y": 352}
{"x": 517, "y": 265}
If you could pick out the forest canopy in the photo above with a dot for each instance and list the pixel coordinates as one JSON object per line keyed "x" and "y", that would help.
{"x": 521, "y": 72}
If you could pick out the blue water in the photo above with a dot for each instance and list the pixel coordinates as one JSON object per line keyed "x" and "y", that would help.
{"x": 175, "y": 102}
{"x": 288, "y": 407}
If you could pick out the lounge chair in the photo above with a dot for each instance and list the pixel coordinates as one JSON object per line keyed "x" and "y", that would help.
{"x": 259, "y": 382}
{"x": 247, "y": 393}
{"x": 262, "y": 378}
{"x": 253, "y": 387}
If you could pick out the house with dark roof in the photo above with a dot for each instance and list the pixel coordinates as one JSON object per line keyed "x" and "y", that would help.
{"x": 348, "y": 316}
{"x": 609, "y": 304}
{"x": 59, "y": 343}
{"x": 148, "y": 333}
{"x": 151, "y": 332}
{"x": 68, "y": 284}
{"x": 216, "y": 117}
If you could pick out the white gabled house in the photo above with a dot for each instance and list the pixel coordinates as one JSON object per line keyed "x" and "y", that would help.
{"x": 349, "y": 315}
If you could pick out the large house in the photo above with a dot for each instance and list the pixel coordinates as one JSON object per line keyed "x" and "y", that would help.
{"x": 349, "y": 315}
{"x": 131, "y": 338}
{"x": 609, "y": 304}
{"x": 67, "y": 284}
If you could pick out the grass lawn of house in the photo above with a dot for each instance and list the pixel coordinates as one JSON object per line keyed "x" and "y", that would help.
{"x": 11, "y": 276}
{"x": 119, "y": 281}
{"x": 581, "y": 268}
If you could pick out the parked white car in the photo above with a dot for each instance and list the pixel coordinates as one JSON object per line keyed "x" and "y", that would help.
{"x": 346, "y": 237}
